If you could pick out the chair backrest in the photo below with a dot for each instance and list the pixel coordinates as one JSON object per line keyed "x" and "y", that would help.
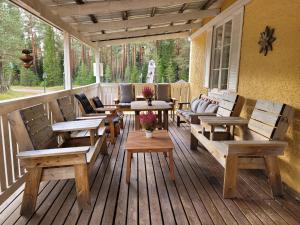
{"x": 97, "y": 102}
{"x": 270, "y": 120}
{"x": 163, "y": 92}
{"x": 126, "y": 93}
{"x": 63, "y": 109}
{"x": 85, "y": 103}
{"x": 230, "y": 104}
{"x": 32, "y": 128}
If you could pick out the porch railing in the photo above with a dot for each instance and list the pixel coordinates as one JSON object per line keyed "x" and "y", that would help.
{"x": 11, "y": 171}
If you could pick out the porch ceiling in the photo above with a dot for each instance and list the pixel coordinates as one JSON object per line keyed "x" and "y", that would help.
{"x": 104, "y": 22}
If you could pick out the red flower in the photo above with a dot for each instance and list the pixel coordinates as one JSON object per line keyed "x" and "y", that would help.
{"x": 147, "y": 92}
{"x": 148, "y": 120}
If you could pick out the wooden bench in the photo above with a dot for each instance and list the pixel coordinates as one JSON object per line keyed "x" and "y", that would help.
{"x": 228, "y": 105}
{"x": 63, "y": 110}
{"x": 45, "y": 158}
{"x": 257, "y": 148}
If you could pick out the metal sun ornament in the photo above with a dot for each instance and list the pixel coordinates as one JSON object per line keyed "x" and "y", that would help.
{"x": 266, "y": 40}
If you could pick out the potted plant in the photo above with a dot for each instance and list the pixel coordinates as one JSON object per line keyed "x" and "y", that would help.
{"x": 148, "y": 121}
{"x": 148, "y": 95}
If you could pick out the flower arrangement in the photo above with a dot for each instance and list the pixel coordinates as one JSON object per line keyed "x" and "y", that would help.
{"x": 148, "y": 121}
{"x": 147, "y": 92}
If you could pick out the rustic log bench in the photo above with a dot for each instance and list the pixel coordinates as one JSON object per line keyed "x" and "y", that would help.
{"x": 258, "y": 147}
{"x": 211, "y": 105}
{"x": 47, "y": 158}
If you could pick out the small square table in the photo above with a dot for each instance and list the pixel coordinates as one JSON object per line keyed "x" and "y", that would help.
{"x": 79, "y": 125}
{"x": 138, "y": 143}
{"x": 160, "y": 106}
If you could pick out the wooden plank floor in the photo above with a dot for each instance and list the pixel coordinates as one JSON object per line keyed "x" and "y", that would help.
{"x": 152, "y": 198}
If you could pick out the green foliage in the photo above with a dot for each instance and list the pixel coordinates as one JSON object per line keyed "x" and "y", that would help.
{"x": 51, "y": 64}
{"x": 84, "y": 76}
{"x": 134, "y": 78}
{"x": 127, "y": 73}
{"x": 107, "y": 73}
{"x": 170, "y": 72}
{"x": 28, "y": 77}
{"x": 144, "y": 72}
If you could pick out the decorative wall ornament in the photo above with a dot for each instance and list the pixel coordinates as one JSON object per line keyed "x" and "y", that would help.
{"x": 27, "y": 58}
{"x": 266, "y": 40}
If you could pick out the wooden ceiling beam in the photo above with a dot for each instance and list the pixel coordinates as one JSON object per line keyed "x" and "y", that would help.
{"x": 145, "y": 32}
{"x": 143, "y": 22}
{"x": 144, "y": 39}
{"x": 106, "y": 7}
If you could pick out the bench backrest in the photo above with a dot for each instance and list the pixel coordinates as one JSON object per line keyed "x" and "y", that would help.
{"x": 32, "y": 128}
{"x": 230, "y": 104}
{"x": 63, "y": 109}
{"x": 270, "y": 120}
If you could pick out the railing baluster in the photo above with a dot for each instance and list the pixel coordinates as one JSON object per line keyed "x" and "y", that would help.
{"x": 8, "y": 157}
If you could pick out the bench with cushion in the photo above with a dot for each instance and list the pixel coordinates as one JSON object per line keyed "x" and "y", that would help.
{"x": 257, "y": 147}
{"x": 212, "y": 105}
{"x": 47, "y": 159}
{"x": 113, "y": 120}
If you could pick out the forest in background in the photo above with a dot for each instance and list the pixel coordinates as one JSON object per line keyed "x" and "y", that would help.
{"x": 126, "y": 63}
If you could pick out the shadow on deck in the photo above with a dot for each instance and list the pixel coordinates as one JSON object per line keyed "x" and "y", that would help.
{"x": 152, "y": 198}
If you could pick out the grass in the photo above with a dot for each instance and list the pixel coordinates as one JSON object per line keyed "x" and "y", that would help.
{"x": 54, "y": 88}
{"x": 10, "y": 94}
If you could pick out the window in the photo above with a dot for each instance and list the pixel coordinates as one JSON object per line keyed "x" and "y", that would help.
{"x": 223, "y": 43}
{"x": 220, "y": 56}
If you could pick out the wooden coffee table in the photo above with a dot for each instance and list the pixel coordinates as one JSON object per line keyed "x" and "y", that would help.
{"x": 137, "y": 142}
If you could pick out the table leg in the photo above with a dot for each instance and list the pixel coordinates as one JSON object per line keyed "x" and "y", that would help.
{"x": 137, "y": 120}
{"x": 159, "y": 115}
{"x": 171, "y": 163}
{"x": 165, "y": 154}
{"x": 166, "y": 120}
{"x": 128, "y": 167}
{"x": 92, "y": 137}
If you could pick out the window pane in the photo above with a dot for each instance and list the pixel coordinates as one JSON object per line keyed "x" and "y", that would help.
{"x": 227, "y": 34}
{"x": 217, "y": 58}
{"x": 225, "y": 56}
{"x": 224, "y": 78}
{"x": 218, "y": 37}
{"x": 215, "y": 79}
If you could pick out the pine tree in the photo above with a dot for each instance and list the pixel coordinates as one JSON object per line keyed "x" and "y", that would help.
{"x": 134, "y": 74}
{"x": 51, "y": 64}
{"x": 127, "y": 74}
{"x": 170, "y": 72}
{"x": 107, "y": 74}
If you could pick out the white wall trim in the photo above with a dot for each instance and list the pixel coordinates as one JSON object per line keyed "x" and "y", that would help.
{"x": 221, "y": 17}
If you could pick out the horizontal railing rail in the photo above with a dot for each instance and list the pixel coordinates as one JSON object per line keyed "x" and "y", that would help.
{"x": 11, "y": 171}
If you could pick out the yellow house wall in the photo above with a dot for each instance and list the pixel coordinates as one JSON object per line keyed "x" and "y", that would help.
{"x": 274, "y": 77}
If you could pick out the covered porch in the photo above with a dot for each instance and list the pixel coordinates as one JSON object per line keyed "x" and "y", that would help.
{"x": 196, "y": 196}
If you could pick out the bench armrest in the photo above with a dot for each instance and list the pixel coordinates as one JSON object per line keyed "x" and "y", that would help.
{"x": 53, "y": 152}
{"x": 180, "y": 104}
{"x": 116, "y": 101}
{"x": 254, "y": 147}
{"x": 91, "y": 117}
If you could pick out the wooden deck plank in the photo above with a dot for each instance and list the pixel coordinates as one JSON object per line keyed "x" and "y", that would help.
{"x": 154, "y": 204}
{"x": 152, "y": 197}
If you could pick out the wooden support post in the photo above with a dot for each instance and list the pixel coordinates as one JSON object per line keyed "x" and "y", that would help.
{"x": 230, "y": 176}
{"x": 97, "y": 73}
{"x": 274, "y": 175}
{"x": 82, "y": 186}
{"x": 32, "y": 184}
{"x": 67, "y": 62}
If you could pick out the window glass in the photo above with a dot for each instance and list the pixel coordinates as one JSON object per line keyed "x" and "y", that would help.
{"x": 221, "y": 56}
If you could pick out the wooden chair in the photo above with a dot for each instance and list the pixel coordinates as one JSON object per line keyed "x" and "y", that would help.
{"x": 257, "y": 148}
{"x": 87, "y": 110}
{"x": 63, "y": 110}
{"x": 163, "y": 93}
{"x": 46, "y": 159}
{"x": 124, "y": 105}
{"x": 228, "y": 104}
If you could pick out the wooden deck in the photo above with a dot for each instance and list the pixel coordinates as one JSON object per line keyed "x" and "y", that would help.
{"x": 152, "y": 198}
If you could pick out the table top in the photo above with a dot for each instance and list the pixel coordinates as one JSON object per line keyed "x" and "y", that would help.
{"x": 220, "y": 120}
{"x": 143, "y": 105}
{"x": 76, "y": 125}
{"x": 104, "y": 109}
{"x": 137, "y": 141}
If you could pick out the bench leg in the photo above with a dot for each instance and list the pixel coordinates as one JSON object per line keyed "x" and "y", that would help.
{"x": 194, "y": 142}
{"x": 178, "y": 121}
{"x": 274, "y": 175}
{"x": 230, "y": 177}
{"x": 82, "y": 186}
{"x": 32, "y": 183}
{"x": 121, "y": 123}
{"x": 103, "y": 149}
